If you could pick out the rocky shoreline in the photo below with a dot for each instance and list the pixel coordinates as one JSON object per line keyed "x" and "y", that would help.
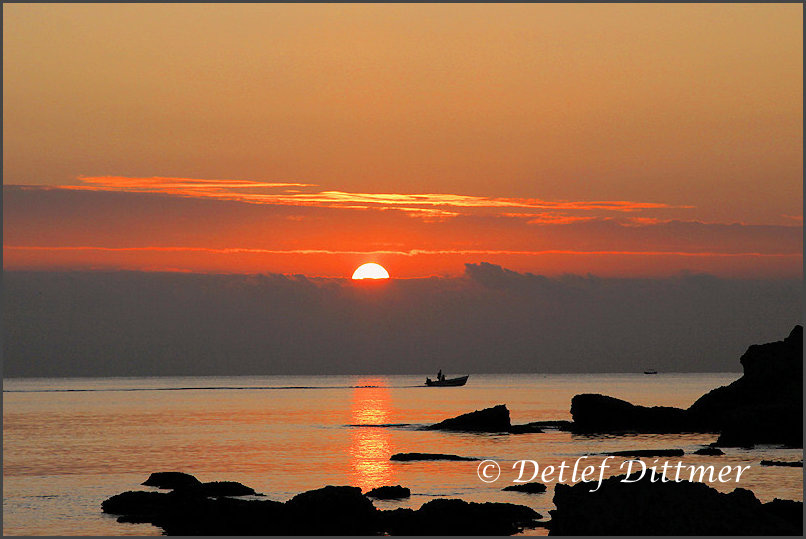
{"x": 331, "y": 510}
{"x": 763, "y": 406}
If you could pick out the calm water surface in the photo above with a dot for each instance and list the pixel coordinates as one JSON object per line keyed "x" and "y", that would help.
{"x": 70, "y": 443}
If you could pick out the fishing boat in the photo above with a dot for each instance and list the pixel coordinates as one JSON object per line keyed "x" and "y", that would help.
{"x": 448, "y": 382}
{"x": 651, "y": 371}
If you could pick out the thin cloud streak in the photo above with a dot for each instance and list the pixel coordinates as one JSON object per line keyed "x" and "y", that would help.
{"x": 281, "y": 193}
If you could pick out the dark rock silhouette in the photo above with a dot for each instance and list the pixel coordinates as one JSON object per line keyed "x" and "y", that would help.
{"x": 495, "y": 419}
{"x": 649, "y": 453}
{"x": 685, "y": 508}
{"x": 405, "y": 457}
{"x": 389, "y": 492}
{"x": 529, "y": 488}
{"x": 138, "y": 504}
{"x": 171, "y": 480}
{"x": 595, "y": 413}
{"x": 792, "y": 464}
{"x": 560, "y": 424}
{"x": 765, "y": 405}
{"x": 527, "y": 428}
{"x": 224, "y": 488}
{"x": 458, "y": 517}
{"x": 713, "y": 451}
{"x": 331, "y": 510}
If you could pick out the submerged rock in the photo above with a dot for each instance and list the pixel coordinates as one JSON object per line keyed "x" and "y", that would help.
{"x": 714, "y": 451}
{"x": 389, "y": 492}
{"x": 528, "y": 428}
{"x": 529, "y": 488}
{"x": 685, "y": 508}
{"x": 405, "y": 457}
{"x": 793, "y": 464}
{"x": 171, "y": 480}
{"x": 495, "y": 419}
{"x": 648, "y": 453}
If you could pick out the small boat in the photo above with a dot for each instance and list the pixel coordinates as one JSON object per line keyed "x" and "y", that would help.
{"x": 651, "y": 371}
{"x": 449, "y": 382}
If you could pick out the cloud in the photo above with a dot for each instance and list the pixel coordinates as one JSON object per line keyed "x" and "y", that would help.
{"x": 489, "y": 319}
{"x": 81, "y": 229}
{"x": 303, "y": 194}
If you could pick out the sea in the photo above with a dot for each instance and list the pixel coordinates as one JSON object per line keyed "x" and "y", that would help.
{"x": 68, "y": 444}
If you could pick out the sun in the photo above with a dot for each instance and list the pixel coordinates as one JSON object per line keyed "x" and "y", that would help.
{"x": 370, "y": 271}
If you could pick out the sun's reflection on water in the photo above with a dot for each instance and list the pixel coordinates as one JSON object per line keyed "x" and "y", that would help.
{"x": 371, "y": 446}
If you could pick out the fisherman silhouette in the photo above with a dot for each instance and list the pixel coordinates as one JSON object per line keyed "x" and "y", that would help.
{"x": 440, "y": 376}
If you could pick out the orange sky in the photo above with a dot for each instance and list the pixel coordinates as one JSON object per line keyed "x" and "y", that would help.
{"x": 613, "y": 139}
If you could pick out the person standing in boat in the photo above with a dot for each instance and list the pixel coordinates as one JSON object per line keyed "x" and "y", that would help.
{"x": 440, "y": 376}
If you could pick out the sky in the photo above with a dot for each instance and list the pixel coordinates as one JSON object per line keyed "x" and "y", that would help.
{"x": 610, "y": 139}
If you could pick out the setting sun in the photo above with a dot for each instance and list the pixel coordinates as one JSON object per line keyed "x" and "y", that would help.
{"x": 370, "y": 271}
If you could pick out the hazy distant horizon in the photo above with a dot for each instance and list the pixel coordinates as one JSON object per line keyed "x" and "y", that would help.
{"x": 490, "y": 320}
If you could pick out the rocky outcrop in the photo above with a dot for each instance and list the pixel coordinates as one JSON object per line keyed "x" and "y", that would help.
{"x": 389, "y": 493}
{"x": 495, "y": 419}
{"x": 685, "y": 508}
{"x": 528, "y": 488}
{"x": 171, "y": 480}
{"x": 331, "y": 510}
{"x": 765, "y": 405}
{"x": 595, "y": 413}
{"x": 405, "y": 457}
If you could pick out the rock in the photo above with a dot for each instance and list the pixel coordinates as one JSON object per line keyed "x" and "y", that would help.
{"x": 458, "y": 517}
{"x": 405, "y": 457}
{"x": 648, "y": 453}
{"x": 389, "y": 493}
{"x": 646, "y": 508}
{"x": 527, "y": 428}
{"x": 765, "y": 405}
{"x": 787, "y": 510}
{"x": 495, "y": 419}
{"x": 557, "y": 424}
{"x": 594, "y": 413}
{"x": 194, "y": 516}
{"x": 225, "y": 488}
{"x": 331, "y": 510}
{"x": 135, "y": 503}
{"x": 334, "y": 510}
{"x": 793, "y": 464}
{"x": 171, "y": 480}
{"x": 709, "y": 451}
{"x": 529, "y": 488}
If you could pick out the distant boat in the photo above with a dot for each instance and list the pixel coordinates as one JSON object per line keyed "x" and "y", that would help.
{"x": 449, "y": 382}
{"x": 651, "y": 371}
